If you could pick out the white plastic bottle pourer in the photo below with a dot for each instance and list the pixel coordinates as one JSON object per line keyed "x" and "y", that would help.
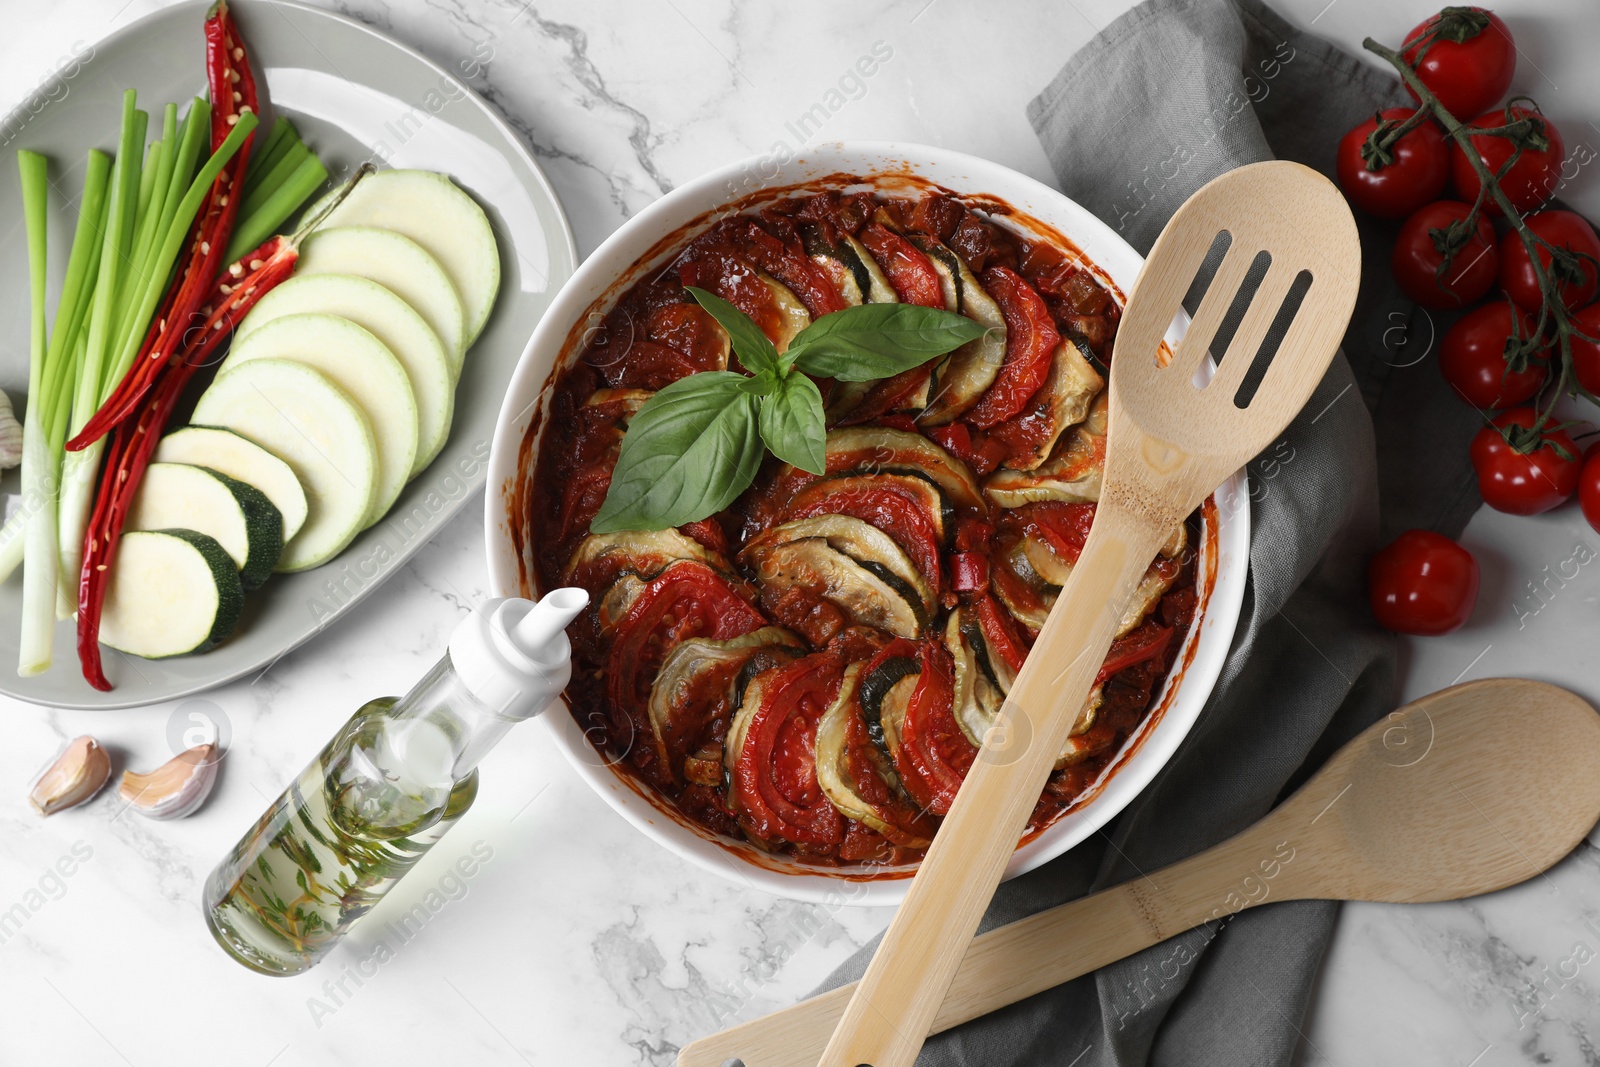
{"x": 513, "y": 656}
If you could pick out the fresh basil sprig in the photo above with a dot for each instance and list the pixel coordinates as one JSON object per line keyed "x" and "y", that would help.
{"x": 693, "y": 447}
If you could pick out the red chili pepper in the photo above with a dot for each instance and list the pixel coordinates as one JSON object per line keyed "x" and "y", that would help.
{"x": 1031, "y": 341}
{"x": 132, "y": 442}
{"x": 233, "y": 92}
{"x": 969, "y": 572}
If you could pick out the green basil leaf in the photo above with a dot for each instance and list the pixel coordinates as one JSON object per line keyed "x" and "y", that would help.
{"x": 792, "y": 426}
{"x": 860, "y": 344}
{"x": 749, "y": 343}
{"x": 689, "y": 451}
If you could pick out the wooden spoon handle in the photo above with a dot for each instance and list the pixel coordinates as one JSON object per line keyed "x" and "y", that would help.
{"x": 896, "y": 1001}
{"x": 1042, "y": 951}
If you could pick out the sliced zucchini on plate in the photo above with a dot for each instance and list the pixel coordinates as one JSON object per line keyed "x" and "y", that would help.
{"x": 401, "y": 266}
{"x": 391, "y": 320}
{"x": 362, "y": 366}
{"x": 241, "y": 458}
{"x": 239, "y": 517}
{"x": 437, "y": 214}
{"x": 297, "y": 414}
{"x": 171, "y": 592}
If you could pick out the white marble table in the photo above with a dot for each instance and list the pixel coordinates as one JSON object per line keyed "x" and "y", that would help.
{"x": 578, "y": 941}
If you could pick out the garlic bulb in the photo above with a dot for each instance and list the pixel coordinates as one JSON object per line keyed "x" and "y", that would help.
{"x": 174, "y": 789}
{"x": 78, "y": 773}
{"x": 10, "y": 435}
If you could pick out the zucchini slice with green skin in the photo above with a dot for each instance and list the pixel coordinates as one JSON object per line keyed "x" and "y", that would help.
{"x": 239, "y": 457}
{"x": 862, "y": 542}
{"x": 238, "y": 516}
{"x": 361, "y": 365}
{"x": 171, "y": 593}
{"x": 877, "y": 290}
{"x": 792, "y": 313}
{"x": 961, "y": 378}
{"x": 600, "y": 558}
{"x": 311, "y": 424}
{"x": 871, "y": 596}
{"x": 440, "y": 216}
{"x": 1073, "y": 474}
{"x": 1061, "y": 403}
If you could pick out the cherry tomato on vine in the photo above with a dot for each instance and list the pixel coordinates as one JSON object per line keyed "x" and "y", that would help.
{"x": 1409, "y": 173}
{"x": 1586, "y": 353}
{"x": 1578, "y": 275}
{"x": 1422, "y": 583}
{"x": 1464, "y": 55}
{"x": 1589, "y": 485}
{"x": 1420, "y": 249}
{"x": 1524, "y": 483}
{"x": 1532, "y": 180}
{"x": 1472, "y": 357}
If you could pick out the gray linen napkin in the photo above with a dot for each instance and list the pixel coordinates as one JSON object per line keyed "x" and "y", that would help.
{"x": 1170, "y": 95}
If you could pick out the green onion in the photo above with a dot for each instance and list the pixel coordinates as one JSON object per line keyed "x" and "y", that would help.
{"x": 273, "y": 178}
{"x": 268, "y": 152}
{"x": 285, "y": 200}
{"x": 38, "y": 490}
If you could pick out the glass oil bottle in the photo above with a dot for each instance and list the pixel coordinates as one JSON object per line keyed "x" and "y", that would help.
{"x": 389, "y": 785}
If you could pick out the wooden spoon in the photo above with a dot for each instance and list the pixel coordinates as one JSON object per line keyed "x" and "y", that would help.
{"x": 1172, "y": 438}
{"x": 1465, "y": 791}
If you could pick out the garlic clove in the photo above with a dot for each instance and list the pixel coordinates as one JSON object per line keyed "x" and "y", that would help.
{"x": 174, "y": 789}
{"x": 77, "y": 774}
{"x": 10, "y": 434}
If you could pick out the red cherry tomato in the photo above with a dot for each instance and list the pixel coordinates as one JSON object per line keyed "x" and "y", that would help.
{"x": 1465, "y": 56}
{"x": 1416, "y": 172}
{"x": 1422, "y": 583}
{"x": 1523, "y": 483}
{"x": 1417, "y": 256}
{"x": 1589, "y": 485}
{"x": 1531, "y": 181}
{"x": 1586, "y": 354}
{"x": 1580, "y": 278}
{"x": 1472, "y": 358}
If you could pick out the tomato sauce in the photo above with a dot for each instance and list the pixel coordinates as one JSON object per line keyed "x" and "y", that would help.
{"x": 789, "y": 261}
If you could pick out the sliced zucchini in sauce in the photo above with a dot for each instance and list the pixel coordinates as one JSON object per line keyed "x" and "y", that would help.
{"x": 1041, "y": 573}
{"x": 879, "y": 448}
{"x": 960, "y": 379}
{"x": 842, "y": 784}
{"x": 630, "y": 400}
{"x": 978, "y": 694}
{"x": 1064, "y": 401}
{"x": 695, "y": 685}
{"x": 862, "y": 542}
{"x": 1072, "y": 475}
{"x": 918, "y": 488}
{"x": 850, "y": 267}
{"x": 872, "y": 597}
{"x": 877, "y": 289}
{"x": 885, "y": 693}
{"x": 600, "y": 558}
{"x": 792, "y": 314}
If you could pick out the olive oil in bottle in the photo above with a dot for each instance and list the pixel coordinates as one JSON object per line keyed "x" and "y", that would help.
{"x": 388, "y": 786}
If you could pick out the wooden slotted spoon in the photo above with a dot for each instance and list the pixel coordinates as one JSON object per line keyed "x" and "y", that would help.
{"x": 1169, "y": 443}
{"x": 1438, "y": 801}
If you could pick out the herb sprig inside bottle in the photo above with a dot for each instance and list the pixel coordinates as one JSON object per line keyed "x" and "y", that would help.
{"x": 695, "y": 445}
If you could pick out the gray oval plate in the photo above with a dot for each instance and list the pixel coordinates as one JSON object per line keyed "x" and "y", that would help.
{"x": 354, "y": 95}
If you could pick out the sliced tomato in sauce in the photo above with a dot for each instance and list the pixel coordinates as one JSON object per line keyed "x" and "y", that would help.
{"x": 688, "y": 599}
{"x": 775, "y": 771}
{"x": 974, "y": 448}
{"x": 999, "y": 632}
{"x": 1031, "y": 341}
{"x": 934, "y": 755}
{"x": 891, "y": 394}
{"x": 690, "y": 331}
{"x": 910, "y": 272}
{"x": 1064, "y": 527}
{"x": 735, "y": 280}
{"x": 1142, "y": 644}
{"x": 788, "y": 263}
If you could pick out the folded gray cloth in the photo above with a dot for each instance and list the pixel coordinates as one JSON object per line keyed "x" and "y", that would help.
{"x": 1170, "y": 95}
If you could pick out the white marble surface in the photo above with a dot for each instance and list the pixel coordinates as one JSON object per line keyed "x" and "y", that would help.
{"x": 578, "y": 941}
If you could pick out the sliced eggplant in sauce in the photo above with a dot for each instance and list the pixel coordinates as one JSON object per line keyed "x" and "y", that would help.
{"x": 862, "y": 542}
{"x": 1063, "y": 402}
{"x": 1072, "y": 475}
{"x": 961, "y": 378}
{"x": 614, "y": 603}
{"x": 876, "y": 449}
{"x": 1042, "y": 572}
{"x": 870, "y": 597}
{"x": 877, "y": 289}
{"x": 679, "y": 704}
{"x": 918, "y": 487}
